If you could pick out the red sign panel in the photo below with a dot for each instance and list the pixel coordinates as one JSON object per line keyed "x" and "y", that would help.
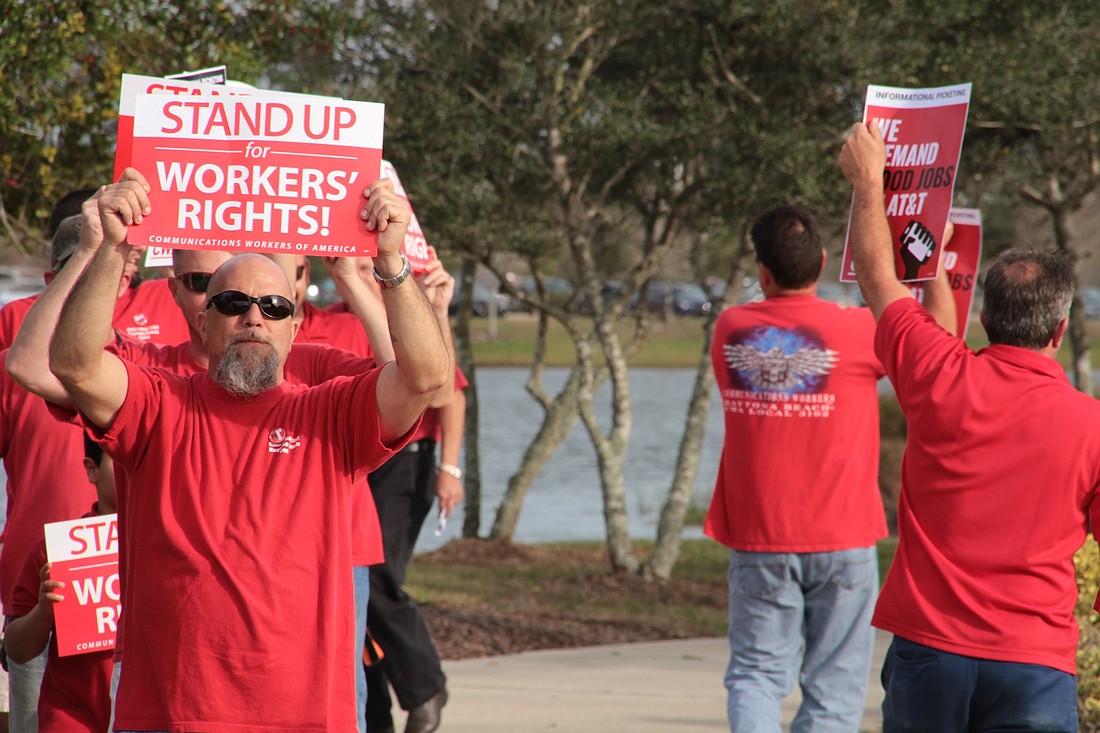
{"x": 923, "y": 130}
{"x": 83, "y": 553}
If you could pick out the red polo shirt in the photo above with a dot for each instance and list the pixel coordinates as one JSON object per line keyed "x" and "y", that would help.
{"x": 1000, "y": 475}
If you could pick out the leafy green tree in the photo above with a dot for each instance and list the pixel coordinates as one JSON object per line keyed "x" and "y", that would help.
{"x": 61, "y": 63}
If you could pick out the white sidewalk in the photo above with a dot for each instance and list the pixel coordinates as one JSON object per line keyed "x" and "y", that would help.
{"x": 642, "y": 688}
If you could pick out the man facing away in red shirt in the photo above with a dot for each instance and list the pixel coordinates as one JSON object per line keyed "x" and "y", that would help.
{"x": 998, "y": 488}
{"x": 797, "y": 498}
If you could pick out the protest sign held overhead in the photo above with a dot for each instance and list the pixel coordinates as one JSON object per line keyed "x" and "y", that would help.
{"x": 962, "y": 257}
{"x": 416, "y": 245}
{"x": 135, "y": 84}
{"x": 83, "y": 553}
{"x": 264, "y": 173}
{"x": 923, "y": 130}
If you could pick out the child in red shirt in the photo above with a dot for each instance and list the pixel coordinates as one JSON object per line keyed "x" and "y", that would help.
{"x": 76, "y": 690}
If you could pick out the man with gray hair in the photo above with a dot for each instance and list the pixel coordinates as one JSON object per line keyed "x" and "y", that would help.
{"x": 995, "y": 500}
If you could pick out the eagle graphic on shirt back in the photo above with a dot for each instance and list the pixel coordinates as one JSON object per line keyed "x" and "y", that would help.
{"x": 772, "y": 359}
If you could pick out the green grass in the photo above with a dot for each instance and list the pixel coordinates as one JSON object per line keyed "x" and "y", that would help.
{"x": 675, "y": 343}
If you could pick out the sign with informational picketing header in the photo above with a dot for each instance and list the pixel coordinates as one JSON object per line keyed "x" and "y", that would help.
{"x": 83, "y": 553}
{"x": 135, "y": 84}
{"x": 962, "y": 257}
{"x": 209, "y": 75}
{"x": 261, "y": 173}
{"x": 416, "y": 245}
{"x": 923, "y": 130}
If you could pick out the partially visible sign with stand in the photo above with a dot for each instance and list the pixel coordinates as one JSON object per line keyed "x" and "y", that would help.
{"x": 416, "y": 245}
{"x": 962, "y": 257}
{"x": 923, "y": 130}
{"x": 83, "y": 553}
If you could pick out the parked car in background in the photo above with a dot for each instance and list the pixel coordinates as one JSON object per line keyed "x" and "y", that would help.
{"x": 483, "y": 301}
{"x": 674, "y": 298}
{"x": 559, "y": 291}
{"x": 1090, "y": 301}
{"x": 845, "y": 294}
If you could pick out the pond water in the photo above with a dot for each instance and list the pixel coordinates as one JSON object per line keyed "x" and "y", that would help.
{"x": 564, "y": 502}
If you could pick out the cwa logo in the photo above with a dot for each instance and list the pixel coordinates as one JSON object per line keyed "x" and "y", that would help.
{"x": 279, "y": 442}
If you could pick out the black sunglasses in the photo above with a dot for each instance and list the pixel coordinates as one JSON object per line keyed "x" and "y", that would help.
{"x": 235, "y": 303}
{"x": 196, "y": 282}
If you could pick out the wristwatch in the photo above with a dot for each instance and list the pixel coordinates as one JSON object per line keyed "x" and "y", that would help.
{"x": 452, "y": 469}
{"x": 387, "y": 283}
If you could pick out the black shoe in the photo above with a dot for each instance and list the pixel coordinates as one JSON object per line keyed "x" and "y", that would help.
{"x": 426, "y": 718}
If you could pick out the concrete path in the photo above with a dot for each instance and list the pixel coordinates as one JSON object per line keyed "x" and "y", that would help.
{"x": 641, "y": 688}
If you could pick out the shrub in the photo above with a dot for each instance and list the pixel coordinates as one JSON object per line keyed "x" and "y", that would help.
{"x": 1088, "y": 646}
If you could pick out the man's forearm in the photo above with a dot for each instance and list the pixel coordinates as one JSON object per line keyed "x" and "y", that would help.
{"x": 28, "y": 359}
{"x": 452, "y": 426}
{"x": 85, "y": 320}
{"x": 418, "y": 344}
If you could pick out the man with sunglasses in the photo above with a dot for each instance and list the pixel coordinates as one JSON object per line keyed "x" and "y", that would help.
{"x": 241, "y": 486}
{"x": 310, "y": 362}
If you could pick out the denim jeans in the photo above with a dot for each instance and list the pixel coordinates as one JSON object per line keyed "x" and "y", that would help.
{"x": 24, "y": 682}
{"x": 940, "y": 692}
{"x": 361, "y": 578}
{"x": 804, "y": 616}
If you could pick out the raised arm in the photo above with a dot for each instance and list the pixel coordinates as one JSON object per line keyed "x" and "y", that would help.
{"x": 28, "y": 359}
{"x": 96, "y": 380}
{"x": 422, "y": 366}
{"x": 939, "y": 301}
{"x": 863, "y": 160}
{"x": 452, "y": 426}
{"x": 439, "y": 287}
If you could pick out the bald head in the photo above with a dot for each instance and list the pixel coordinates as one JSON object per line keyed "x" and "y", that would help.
{"x": 250, "y": 273}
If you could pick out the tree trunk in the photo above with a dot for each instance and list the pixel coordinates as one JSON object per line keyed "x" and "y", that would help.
{"x": 471, "y": 522}
{"x": 1081, "y": 365}
{"x": 610, "y": 448}
{"x": 559, "y": 417}
{"x": 670, "y": 528}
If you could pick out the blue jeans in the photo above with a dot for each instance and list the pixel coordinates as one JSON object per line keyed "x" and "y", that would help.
{"x": 937, "y": 691}
{"x": 24, "y": 682}
{"x": 361, "y": 581}
{"x": 804, "y": 616}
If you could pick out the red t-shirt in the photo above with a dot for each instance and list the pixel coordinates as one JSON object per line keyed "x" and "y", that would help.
{"x": 1001, "y": 470}
{"x": 76, "y": 690}
{"x": 11, "y": 318}
{"x": 43, "y": 457}
{"x": 239, "y": 611}
{"x": 342, "y": 330}
{"x": 145, "y": 313}
{"x": 799, "y": 466}
{"x": 149, "y": 313}
{"x": 429, "y": 425}
{"x": 308, "y": 365}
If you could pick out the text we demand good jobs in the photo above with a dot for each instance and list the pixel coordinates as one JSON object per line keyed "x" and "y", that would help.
{"x": 268, "y": 172}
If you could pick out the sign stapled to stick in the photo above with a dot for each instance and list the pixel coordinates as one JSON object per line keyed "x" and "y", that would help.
{"x": 416, "y": 245}
{"x": 83, "y": 553}
{"x": 923, "y": 130}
